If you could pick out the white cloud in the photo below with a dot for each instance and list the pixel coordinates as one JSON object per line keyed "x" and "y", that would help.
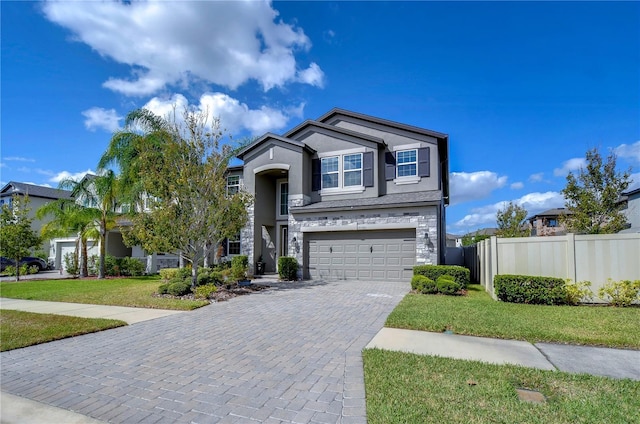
{"x": 631, "y": 151}
{"x": 467, "y": 186}
{"x": 68, "y": 175}
{"x": 313, "y": 75}
{"x": 98, "y": 117}
{"x": 570, "y": 165}
{"x": 18, "y": 159}
{"x": 234, "y": 115}
{"x": 226, "y": 43}
{"x": 517, "y": 186}
{"x": 485, "y": 216}
{"x": 535, "y": 178}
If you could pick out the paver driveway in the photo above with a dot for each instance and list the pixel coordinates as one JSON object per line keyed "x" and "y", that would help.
{"x": 285, "y": 355}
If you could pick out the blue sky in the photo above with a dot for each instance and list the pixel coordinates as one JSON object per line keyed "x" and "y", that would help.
{"x": 522, "y": 89}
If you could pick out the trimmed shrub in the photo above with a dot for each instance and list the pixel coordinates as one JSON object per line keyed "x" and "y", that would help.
{"x": 423, "y": 285}
{"x": 239, "y": 267}
{"x": 205, "y": 291}
{"x": 528, "y": 289}
{"x": 179, "y": 288}
{"x": 164, "y": 288}
{"x": 447, "y": 285}
{"x": 620, "y": 293}
{"x": 287, "y": 268}
{"x": 169, "y": 273}
{"x": 461, "y": 275}
{"x": 578, "y": 292}
{"x": 132, "y": 267}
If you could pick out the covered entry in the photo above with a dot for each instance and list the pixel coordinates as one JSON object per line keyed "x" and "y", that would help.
{"x": 361, "y": 255}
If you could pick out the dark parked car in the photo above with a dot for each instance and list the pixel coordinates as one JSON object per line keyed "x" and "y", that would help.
{"x": 41, "y": 264}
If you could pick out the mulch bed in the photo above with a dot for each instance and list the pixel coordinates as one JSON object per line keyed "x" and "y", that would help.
{"x": 224, "y": 292}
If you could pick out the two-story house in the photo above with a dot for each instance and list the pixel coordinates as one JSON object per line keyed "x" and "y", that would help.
{"x": 38, "y": 197}
{"x": 350, "y": 196}
{"x": 630, "y": 201}
{"x": 548, "y": 223}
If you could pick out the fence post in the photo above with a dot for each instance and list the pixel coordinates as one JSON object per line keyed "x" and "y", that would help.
{"x": 494, "y": 264}
{"x": 571, "y": 257}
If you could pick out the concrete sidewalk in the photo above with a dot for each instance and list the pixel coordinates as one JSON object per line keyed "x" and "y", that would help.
{"x": 122, "y": 313}
{"x": 615, "y": 363}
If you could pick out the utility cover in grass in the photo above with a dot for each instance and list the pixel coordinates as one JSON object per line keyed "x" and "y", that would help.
{"x": 530, "y": 396}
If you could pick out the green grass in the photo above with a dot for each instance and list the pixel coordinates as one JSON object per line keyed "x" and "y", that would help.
{"x": 135, "y": 292}
{"x": 21, "y": 329}
{"x": 479, "y": 315}
{"x": 408, "y": 388}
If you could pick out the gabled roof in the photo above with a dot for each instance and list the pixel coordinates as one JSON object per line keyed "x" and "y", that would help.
{"x": 310, "y": 124}
{"x": 271, "y": 136}
{"x": 551, "y": 213}
{"x": 35, "y": 190}
{"x": 337, "y": 111}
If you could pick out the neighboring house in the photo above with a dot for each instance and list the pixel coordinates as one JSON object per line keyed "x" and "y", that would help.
{"x": 38, "y": 196}
{"x": 114, "y": 245}
{"x": 631, "y": 208}
{"x": 548, "y": 223}
{"x": 483, "y": 232}
{"x": 454, "y": 240}
{"x": 350, "y": 196}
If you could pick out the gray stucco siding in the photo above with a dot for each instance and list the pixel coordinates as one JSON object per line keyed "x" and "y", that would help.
{"x": 275, "y": 153}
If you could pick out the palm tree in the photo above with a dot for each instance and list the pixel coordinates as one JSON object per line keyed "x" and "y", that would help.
{"x": 69, "y": 218}
{"x": 99, "y": 193}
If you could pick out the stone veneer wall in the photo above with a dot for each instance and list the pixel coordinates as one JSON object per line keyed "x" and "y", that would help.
{"x": 424, "y": 220}
{"x": 246, "y": 239}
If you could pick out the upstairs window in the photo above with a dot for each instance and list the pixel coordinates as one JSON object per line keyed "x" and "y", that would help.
{"x": 330, "y": 172}
{"x": 283, "y": 201}
{"x": 407, "y": 163}
{"x": 352, "y": 169}
{"x": 233, "y": 184}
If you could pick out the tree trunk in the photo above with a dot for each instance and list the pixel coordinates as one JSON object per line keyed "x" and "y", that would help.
{"x": 103, "y": 241}
{"x": 84, "y": 259}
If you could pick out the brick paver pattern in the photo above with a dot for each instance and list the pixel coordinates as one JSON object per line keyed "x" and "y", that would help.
{"x": 290, "y": 354}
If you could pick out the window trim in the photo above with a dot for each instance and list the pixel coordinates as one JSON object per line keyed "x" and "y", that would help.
{"x": 279, "y": 199}
{"x": 237, "y": 186}
{"x": 322, "y": 173}
{"x": 345, "y": 171}
{"x": 398, "y": 165}
{"x": 235, "y": 240}
{"x": 341, "y": 188}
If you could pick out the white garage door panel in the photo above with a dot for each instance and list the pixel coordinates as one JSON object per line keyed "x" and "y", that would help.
{"x": 361, "y": 255}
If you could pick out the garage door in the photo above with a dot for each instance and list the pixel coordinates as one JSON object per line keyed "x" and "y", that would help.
{"x": 361, "y": 255}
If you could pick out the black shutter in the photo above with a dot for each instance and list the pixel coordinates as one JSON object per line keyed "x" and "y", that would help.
{"x": 316, "y": 175}
{"x": 367, "y": 169}
{"x": 390, "y": 165}
{"x": 423, "y": 162}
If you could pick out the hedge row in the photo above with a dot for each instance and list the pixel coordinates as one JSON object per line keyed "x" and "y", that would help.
{"x": 529, "y": 289}
{"x": 461, "y": 275}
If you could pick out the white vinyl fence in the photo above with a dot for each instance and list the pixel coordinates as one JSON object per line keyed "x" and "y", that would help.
{"x": 594, "y": 258}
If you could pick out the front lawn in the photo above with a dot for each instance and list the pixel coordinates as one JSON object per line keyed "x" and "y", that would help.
{"x": 21, "y": 329}
{"x": 408, "y": 388}
{"x": 134, "y": 291}
{"x": 478, "y": 314}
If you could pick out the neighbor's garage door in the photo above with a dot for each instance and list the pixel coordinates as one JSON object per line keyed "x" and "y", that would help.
{"x": 361, "y": 255}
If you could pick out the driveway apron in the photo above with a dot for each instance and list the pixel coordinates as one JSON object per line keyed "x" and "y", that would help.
{"x": 289, "y": 354}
